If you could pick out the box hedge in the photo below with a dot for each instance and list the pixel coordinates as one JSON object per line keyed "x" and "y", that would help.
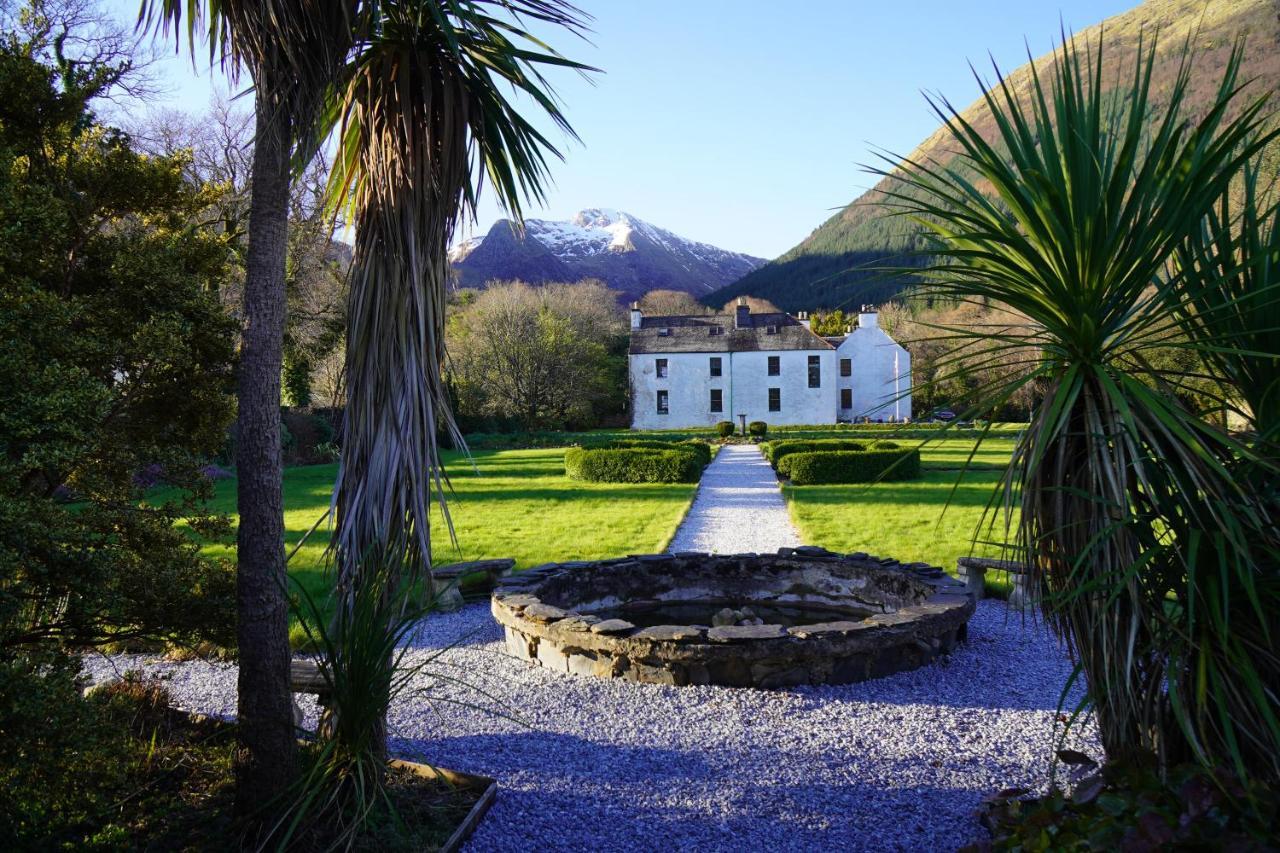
{"x": 759, "y": 429}
{"x": 675, "y": 463}
{"x": 851, "y": 466}
{"x": 725, "y": 428}
{"x": 776, "y": 451}
{"x": 700, "y": 449}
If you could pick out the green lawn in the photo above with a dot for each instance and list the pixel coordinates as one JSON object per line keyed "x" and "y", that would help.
{"x": 915, "y": 521}
{"x": 514, "y": 503}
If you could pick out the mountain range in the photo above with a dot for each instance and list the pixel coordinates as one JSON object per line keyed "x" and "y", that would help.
{"x": 835, "y": 266}
{"x": 625, "y": 252}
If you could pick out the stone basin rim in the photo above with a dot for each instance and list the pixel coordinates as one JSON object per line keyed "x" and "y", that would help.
{"x": 925, "y": 614}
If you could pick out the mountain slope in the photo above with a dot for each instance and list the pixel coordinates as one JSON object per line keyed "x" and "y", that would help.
{"x": 626, "y": 253}
{"x": 835, "y": 265}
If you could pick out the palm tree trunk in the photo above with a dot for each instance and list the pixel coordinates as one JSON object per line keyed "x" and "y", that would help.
{"x": 265, "y": 765}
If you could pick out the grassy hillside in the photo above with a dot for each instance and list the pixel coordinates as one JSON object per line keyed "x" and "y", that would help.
{"x": 840, "y": 265}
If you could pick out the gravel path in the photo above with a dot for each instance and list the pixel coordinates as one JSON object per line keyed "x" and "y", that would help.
{"x": 899, "y": 763}
{"x": 738, "y": 508}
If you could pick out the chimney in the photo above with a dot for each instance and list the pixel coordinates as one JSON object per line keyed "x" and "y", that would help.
{"x": 803, "y": 317}
{"x": 867, "y": 317}
{"x": 741, "y": 319}
{"x": 636, "y": 315}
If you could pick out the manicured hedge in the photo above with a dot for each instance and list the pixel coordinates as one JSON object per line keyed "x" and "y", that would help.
{"x": 700, "y": 449}
{"x": 758, "y": 428}
{"x": 776, "y": 451}
{"x": 682, "y": 463}
{"x": 847, "y": 466}
{"x": 725, "y": 428}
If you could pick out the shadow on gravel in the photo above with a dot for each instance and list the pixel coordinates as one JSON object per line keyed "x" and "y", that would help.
{"x": 565, "y": 792}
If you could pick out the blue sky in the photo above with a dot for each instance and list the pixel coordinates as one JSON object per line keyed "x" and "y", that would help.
{"x": 745, "y": 123}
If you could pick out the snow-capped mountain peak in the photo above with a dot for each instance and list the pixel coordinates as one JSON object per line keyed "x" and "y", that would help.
{"x": 626, "y": 252}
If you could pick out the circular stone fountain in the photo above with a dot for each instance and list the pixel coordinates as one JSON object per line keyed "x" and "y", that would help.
{"x": 801, "y": 616}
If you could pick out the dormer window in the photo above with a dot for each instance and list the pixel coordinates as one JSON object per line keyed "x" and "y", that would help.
{"x": 716, "y": 330}
{"x": 771, "y": 330}
{"x": 664, "y": 332}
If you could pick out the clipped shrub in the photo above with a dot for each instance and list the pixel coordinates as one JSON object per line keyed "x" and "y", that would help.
{"x": 851, "y": 466}
{"x": 725, "y": 428}
{"x": 884, "y": 445}
{"x": 779, "y": 450}
{"x": 632, "y": 465}
{"x": 700, "y": 449}
{"x": 758, "y": 429}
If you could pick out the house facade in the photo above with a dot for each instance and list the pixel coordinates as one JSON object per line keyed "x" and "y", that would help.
{"x": 692, "y": 371}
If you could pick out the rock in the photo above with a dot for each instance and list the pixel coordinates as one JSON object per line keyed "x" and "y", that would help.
{"x": 544, "y": 613}
{"x": 841, "y": 627}
{"x": 738, "y": 633}
{"x": 611, "y": 626}
{"x": 668, "y": 632}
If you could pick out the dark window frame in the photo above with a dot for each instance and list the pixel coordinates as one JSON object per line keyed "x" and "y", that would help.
{"x": 661, "y": 368}
{"x": 815, "y": 371}
{"x": 846, "y": 398}
{"x": 774, "y": 366}
{"x": 717, "y": 400}
{"x": 663, "y": 402}
{"x": 846, "y": 367}
{"x": 775, "y": 399}
{"x": 715, "y": 366}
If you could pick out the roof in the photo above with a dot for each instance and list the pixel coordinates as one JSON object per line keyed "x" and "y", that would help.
{"x": 718, "y": 333}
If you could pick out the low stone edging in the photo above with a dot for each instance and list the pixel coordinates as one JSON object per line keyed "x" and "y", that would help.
{"x": 549, "y": 617}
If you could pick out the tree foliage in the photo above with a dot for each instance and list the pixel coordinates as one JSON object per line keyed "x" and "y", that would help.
{"x": 541, "y": 357}
{"x": 115, "y": 372}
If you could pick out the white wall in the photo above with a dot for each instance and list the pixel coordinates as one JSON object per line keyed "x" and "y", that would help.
{"x": 745, "y": 383}
{"x": 881, "y": 380}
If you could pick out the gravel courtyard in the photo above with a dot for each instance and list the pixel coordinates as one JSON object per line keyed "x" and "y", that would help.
{"x": 899, "y": 763}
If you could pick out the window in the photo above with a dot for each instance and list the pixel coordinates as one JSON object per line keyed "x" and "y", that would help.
{"x": 846, "y": 398}
{"x": 717, "y": 400}
{"x": 664, "y": 332}
{"x": 662, "y": 403}
{"x": 771, "y": 330}
{"x": 715, "y": 366}
{"x": 846, "y": 367}
{"x": 661, "y": 367}
{"x": 815, "y": 371}
{"x": 717, "y": 330}
{"x": 775, "y": 399}
{"x": 774, "y": 369}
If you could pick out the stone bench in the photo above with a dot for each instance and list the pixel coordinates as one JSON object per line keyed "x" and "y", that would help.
{"x": 973, "y": 571}
{"x": 445, "y": 578}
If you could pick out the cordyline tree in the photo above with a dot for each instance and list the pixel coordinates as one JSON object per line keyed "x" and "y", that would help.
{"x": 421, "y": 118}
{"x": 292, "y": 51}
{"x": 1102, "y": 217}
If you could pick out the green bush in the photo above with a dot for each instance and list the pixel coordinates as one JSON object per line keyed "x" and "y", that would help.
{"x": 725, "y": 428}
{"x": 885, "y": 445}
{"x": 779, "y": 450}
{"x": 759, "y": 429}
{"x": 850, "y": 466}
{"x": 632, "y": 465}
{"x": 700, "y": 449}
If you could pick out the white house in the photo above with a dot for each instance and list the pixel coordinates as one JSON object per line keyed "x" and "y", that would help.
{"x": 691, "y": 371}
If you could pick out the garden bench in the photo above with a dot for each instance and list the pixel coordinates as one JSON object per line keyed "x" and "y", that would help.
{"x": 973, "y": 571}
{"x": 445, "y": 579}
{"x": 305, "y": 677}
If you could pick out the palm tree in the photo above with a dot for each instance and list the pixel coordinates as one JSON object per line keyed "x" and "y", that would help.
{"x": 1136, "y": 524}
{"x": 292, "y": 50}
{"x": 421, "y": 118}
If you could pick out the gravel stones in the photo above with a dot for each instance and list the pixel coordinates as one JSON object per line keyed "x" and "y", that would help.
{"x": 738, "y": 507}
{"x": 592, "y": 764}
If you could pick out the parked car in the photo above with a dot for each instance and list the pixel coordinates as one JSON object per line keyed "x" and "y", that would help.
{"x": 944, "y": 415}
